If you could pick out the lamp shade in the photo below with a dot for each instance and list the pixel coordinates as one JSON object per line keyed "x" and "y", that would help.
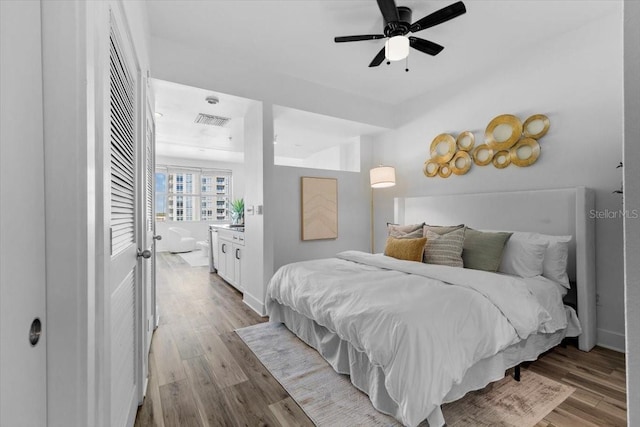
{"x": 396, "y": 48}
{"x": 382, "y": 176}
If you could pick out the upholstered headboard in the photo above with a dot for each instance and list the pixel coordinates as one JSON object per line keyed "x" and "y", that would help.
{"x": 557, "y": 212}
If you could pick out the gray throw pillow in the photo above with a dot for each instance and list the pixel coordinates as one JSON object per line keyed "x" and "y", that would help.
{"x": 441, "y": 229}
{"x": 413, "y": 235}
{"x": 483, "y": 250}
{"x": 395, "y": 230}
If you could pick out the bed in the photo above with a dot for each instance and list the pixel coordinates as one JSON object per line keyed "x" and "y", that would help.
{"x": 414, "y": 336}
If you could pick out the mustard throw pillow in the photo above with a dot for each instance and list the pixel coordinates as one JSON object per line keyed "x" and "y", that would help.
{"x": 406, "y": 249}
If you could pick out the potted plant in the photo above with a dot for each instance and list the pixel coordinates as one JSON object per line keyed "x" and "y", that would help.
{"x": 237, "y": 211}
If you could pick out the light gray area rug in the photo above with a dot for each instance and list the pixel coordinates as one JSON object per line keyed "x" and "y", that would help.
{"x": 329, "y": 398}
{"x": 195, "y": 258}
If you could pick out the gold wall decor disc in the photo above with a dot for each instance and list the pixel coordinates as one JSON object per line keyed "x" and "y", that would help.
{"x": 430, "y": 168}
{"x": 503, "y": 131}
{"x": 525, "y": 152}
{"x": 502, "y": 159}
{"x": 461, "y": 163}
{"x": 443, "y": 148}
{"x": 445, "y": 170}
{"x": 482, "y": 155}
{"x": 465, "y": 141}
{"x": 536, "y": 126}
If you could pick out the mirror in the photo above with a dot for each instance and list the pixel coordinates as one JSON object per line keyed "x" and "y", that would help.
{"x": 536, "y": 126}
{"x": 503, "y": 131}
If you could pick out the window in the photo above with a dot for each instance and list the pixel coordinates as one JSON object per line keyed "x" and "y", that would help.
{"x": 186, "y": 194}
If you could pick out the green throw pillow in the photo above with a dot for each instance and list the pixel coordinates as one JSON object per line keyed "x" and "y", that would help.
{"x": 483, "y": 250}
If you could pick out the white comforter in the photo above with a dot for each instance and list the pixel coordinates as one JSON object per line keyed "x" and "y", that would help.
{"x": 425, "y": 325}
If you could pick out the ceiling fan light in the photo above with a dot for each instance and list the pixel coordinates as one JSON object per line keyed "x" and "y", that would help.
{"x": 396, "y": 48}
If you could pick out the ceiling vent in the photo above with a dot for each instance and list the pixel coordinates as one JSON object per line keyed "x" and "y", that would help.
{"x": 208, "y": 119}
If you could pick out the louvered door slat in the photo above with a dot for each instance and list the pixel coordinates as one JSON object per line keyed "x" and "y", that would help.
{"x": 123, "y": 169}
{"x": 121, "y": 116}
{"x": 122, "y": 151}
{"x": 149, "y": 175}
{"x": 120, "y": 130}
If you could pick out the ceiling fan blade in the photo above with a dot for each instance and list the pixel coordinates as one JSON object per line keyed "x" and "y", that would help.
{"x": 389, "y": 10}
{"x": 358, "y": 38}
{"x": 438, "y": 17}
{"x": 425, "y": 46}
{"x": 378, "y": 59}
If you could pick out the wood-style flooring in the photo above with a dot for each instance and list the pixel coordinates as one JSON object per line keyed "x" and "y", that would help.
{"x": 202, "y": 374}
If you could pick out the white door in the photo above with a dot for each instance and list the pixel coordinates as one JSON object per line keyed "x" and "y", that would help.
{"x": 147, "y": 243}
{"x": 122, "y": 314}
{"x": 23, "y": 374}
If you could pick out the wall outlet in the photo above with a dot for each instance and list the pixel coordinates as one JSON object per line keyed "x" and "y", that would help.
{"x": 259, "y": 209}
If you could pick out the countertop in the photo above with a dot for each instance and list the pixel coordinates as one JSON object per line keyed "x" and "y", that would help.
{"x": 239, "y": 228}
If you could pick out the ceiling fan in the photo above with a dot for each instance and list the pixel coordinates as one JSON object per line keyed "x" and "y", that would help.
{"x": 397, "y": 24}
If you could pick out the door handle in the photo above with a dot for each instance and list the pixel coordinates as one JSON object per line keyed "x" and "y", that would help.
{"x": 144, "y": 254}
{"x": 237, "y": 253}
{"x": 35, "y": 331}
{"x": 157, "y": 237}
{"x": 223, "y": 248}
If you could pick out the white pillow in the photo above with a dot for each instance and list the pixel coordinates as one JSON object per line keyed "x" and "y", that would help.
{"x": 523, "y": 257}
{"x": 556, "y": 255}
{"x": 555, "y": 260}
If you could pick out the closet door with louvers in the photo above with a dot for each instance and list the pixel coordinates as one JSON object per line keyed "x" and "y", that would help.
{"x": 147, "y": 241}
{"x": 122, "y": 313}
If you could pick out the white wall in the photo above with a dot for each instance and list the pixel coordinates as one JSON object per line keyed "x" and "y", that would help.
{"x": 252, "y": 278}
{"x": 353, "y": 215}
{"x": 354, "y": 211}
{"x": 631, "y": 202}
{"x": 199, "y": 229}
{"x": 576, "y": 81}
{"x": 23, "y": 368}
{"x": 341, "y": 157}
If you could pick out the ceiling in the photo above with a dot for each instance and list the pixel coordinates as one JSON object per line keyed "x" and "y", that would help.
{"x": 295, "y": 38}
{"x": 177, "y": 134}
{"x": 299, "y": 134}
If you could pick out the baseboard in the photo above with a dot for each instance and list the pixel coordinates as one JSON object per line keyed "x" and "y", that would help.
{"x": 255, "y": 304}
{"x": 611, "y": 340}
